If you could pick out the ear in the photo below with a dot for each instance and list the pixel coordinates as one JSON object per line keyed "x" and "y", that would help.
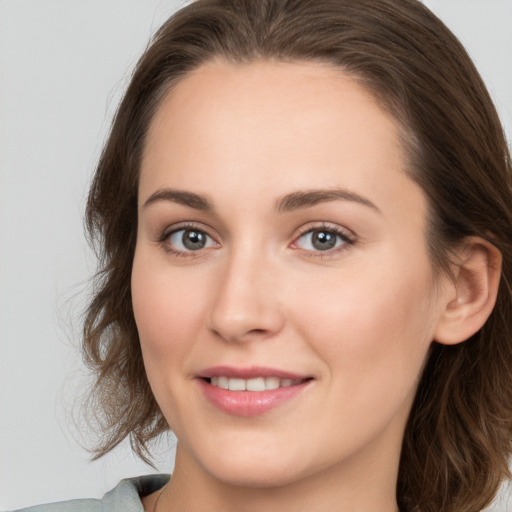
{"x": 472, "y": 292}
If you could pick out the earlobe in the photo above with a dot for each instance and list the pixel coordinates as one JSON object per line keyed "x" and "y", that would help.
{"x": 475, "y": 286}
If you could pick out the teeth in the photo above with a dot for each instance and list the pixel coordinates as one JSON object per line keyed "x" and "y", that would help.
{"x": 271, "y": 382}
{"x": 255, "y": 384}
{"x": 236, "y": 385}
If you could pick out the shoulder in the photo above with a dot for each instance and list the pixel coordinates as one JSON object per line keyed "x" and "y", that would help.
{"x": 125, "y": 497}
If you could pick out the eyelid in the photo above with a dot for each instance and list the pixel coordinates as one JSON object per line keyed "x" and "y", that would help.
{"x": 327, "y": 226}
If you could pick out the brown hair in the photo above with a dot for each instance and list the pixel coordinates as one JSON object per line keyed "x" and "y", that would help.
{"x": 459, "y": 433}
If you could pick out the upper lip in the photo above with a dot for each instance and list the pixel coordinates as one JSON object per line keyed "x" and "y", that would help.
{"x": 250, "y": 372}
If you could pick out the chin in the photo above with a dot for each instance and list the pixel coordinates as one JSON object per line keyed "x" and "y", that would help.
{"x": 249, "y": 475}
{"x": 254, "y": 466}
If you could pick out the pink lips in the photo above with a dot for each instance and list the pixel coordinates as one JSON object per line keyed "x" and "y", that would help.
{"x": 249, "y": 403}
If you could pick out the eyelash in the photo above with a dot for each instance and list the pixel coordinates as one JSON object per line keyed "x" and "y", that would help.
{"x": 344, "y": 235}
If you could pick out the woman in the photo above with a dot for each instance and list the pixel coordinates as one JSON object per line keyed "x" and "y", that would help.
{"x": 304, "y": 214}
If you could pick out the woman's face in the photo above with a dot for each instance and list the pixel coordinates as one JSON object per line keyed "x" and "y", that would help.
{"x": 281, "y": 253}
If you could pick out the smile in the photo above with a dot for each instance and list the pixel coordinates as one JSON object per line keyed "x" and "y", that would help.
{"x": 250, "y": 391}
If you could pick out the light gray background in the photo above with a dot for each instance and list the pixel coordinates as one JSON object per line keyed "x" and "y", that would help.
{"x": 63, "y": 67}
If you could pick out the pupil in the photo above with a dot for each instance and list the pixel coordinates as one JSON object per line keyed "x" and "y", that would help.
{"x": 323, "y": 240}
{"x": 193, "y": 240}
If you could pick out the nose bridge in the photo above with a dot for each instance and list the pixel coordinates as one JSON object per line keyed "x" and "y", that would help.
{"x": 245, "y": 304}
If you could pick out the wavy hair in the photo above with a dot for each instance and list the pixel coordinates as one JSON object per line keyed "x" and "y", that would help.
{"x": 458, "y": 436}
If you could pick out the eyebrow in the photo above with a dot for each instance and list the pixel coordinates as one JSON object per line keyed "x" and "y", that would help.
{"x": 288, "y": 203}
{"x": 181, "y": 197}
{"x": 305, "y": 199}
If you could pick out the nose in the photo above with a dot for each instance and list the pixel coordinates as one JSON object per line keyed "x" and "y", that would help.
{"x": 245, "y": 306}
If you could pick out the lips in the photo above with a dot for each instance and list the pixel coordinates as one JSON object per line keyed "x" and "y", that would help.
{"x": 250, "y": 391}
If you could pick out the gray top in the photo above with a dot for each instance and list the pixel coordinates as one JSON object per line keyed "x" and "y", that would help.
{"x": 125, "y": 497}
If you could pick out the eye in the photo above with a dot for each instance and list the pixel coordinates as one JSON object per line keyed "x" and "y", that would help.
{"x": 188, "y": 240}
{"x": 322, "y": 239}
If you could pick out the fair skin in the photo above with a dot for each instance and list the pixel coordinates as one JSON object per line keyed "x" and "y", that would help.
{"x": 239, "y": 264}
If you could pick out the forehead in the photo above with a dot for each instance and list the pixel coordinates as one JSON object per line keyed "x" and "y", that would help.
{"x": 270, "y": 126}
{"x": 273, "y": 93}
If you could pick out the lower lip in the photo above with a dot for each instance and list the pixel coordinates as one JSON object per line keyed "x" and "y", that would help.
{"x": 249, "y": 403}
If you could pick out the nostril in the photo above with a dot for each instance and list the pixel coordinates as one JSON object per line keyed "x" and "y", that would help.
{"x": 257, "y": 331}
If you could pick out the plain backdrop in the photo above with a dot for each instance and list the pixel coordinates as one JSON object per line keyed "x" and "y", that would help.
{"x": 63, "y": 67}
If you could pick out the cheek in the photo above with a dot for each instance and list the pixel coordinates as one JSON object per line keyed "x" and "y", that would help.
{"x": 167, "y": 309}
{"x": 374, "y": 328}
